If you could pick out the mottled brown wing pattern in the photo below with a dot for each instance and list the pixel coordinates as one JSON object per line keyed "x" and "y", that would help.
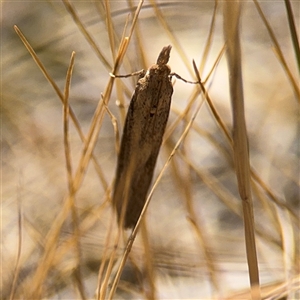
{"x": 144, "y": 127}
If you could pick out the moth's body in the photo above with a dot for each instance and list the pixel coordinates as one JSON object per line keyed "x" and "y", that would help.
{"x": 144, "y": 127}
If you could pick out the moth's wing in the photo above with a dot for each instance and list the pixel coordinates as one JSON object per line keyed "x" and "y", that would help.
{"x": 158, "y": 114}
{"x": 141, "y": 180}
{"x": 129, "y": 156}
{"x": 142, "y": 136}
{"x": 152, "y": 133}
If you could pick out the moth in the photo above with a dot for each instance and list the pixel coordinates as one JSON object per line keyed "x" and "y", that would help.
{"x": 143, "y": 132}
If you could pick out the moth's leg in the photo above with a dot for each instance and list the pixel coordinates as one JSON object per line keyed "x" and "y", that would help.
{"x": 140, "y": 73}
{"x": 179, "y": 77}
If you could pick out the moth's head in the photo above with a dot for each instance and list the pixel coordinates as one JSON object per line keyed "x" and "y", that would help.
{"x": 164, "y": 56}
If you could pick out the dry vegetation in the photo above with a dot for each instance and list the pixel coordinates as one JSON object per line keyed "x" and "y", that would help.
{"x": 60, "y": 138}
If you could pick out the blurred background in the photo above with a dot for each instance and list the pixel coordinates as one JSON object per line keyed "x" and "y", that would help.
{"x": 195, "y": 234}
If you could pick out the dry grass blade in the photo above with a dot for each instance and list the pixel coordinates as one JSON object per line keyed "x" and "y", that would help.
{"x": 110, "y": 257}
{"x": 151, "y": 292}
{"x": 125, "y": 41}
{"x": 116, "y": 129}
{"x": 41, "y": 66}
{"x": 209, "y": 38}
{"x": 18, "y": 266}
{"x": 193, "y": 97}
{"x": 84, "y": 31}
{"x": 76, "y": 232}
{"x": 211, "y": 106}
{"x": 133, "y": 28}
{"x": 293, "y": 31}
{"x": 66, "y": 123}
{"x": 222, "y": 51}
{"x": 110, "y": 28}
{"x": 138, "y": 35}
{"x": 278, "y": 52}
{"x": 232, "y": 12}
{"x": 135, "y": 17}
